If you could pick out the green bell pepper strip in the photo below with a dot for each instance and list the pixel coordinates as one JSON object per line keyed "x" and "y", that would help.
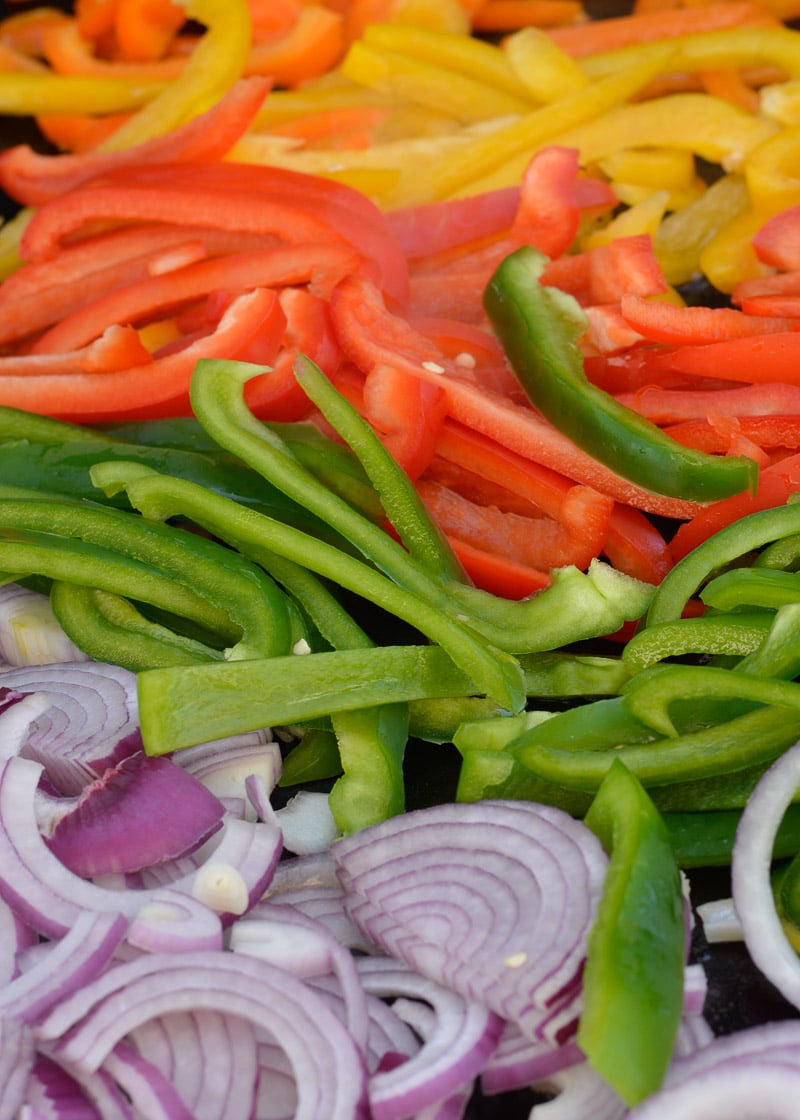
{"x": 403, "y": 506}
{"x": 747, "y": 740}
{"x": 314, "y": 758}
{"x": 180, "y": 707}
{"x": 103, "y": 623}
{"x": 539, "y": 328}
{"x": 648, "y": 697}
{"x": 717, "y": 552}
{"x": 186, "y": 573}
{"x": 706, "y": 839}
{"x": 784, "y": 553}
{"x": 745, "y": 588}
{"x": 633, "y": 978}
{"x": 160, "y": 497}
{"x": 726, "y": 635}
{"x": 372, "y": 742}
{"x": 575, "y": 606}
{"x": 779, "y": 653}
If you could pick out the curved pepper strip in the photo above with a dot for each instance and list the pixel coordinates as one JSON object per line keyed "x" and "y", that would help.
{"x": 728, "y": 635}
{"x": 633, "y": 979}
{"x": 215, "y": 64}
{"x": 220, "y": 590}
{"x": 29, "y": 94}
{"x": 716, "y": 552}
{"x": 752, "y": 587}
{"x": 160, "y": 497}
{"x": 539, "y": 328}
{"x": 103, "y": 623}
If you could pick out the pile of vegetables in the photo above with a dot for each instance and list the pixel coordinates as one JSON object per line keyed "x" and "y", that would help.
{"x": 383, "y": 373}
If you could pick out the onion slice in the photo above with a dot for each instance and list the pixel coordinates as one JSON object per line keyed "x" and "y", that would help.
{"x": 753, "y": 900}
{"x": 492, "y": 900}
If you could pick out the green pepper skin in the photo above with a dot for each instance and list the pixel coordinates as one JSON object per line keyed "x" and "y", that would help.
{"x": 633, "y": 979}
{"x": 539, "y": 327}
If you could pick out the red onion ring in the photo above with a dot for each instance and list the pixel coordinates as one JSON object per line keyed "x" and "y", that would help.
{"x": 753, "y": 900}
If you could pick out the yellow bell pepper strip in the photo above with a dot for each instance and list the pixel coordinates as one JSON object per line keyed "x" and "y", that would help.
{"x": 31, "y": 94}
{"x": 215, "y": 64}
{"x": 473, "y": 58}
{"x": 546, "y": 71}
{"x": 683, "y": 235}
{"x": 406, "y": 77}
{"x": 730, "y": 48}
{"x": 539, "y": 328}
{"x": 633, "y": 978}
{"x": 466, "y": 168}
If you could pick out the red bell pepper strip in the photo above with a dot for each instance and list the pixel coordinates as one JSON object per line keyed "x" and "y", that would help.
{"x": 32, "y": 178}
{"x": 117, "y": 348}
{"x": 777, "y": 242}
{"x": 676, "y": 326}
{"x": 773, "y": 284}
{"x": 147, "y": 391}
{"x": 475, "y": 352}
{"x": 356, "y": 305}
{"x": 406, "y": 413}
{"x": 717, "y": 434}
{"x": 321, "y": 265}
{"x": 609, "y": 332}
{"x": 309, "y": 331}
{"x": 348, "y": 212}
{"x": 774, "y": 307}
{"x": 755, "y": 359}
{"x": 43, "y": 292}
{"x": 437, "y": 226}
{"x": 672, "y": 406}
{"x": 549, "y": 212}
{"x": 498, "y": 574}
{"x": 776, "y": 484}
{"x": 624, "y": 266}
{"x": 541, "y": 543}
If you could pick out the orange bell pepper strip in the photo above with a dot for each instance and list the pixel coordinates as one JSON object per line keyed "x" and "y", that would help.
{"x": 156, "y": 388}
{"x": 320, "y": 265}
{"x": 622, "y": 31}
{"x": 672, "y": 325}
{"x": 508, "y": 15}
{"x": 32, "y": 178}
{"x": 313, "y": 45}
{"x": 144, "y": 29}
{"x": 78, "y": 132}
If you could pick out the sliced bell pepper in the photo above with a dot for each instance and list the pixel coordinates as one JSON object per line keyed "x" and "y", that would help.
{"x": 31, "y": 177}
{"x": 538, "y": 327}
{"x": 695, "y": 326}
{"x": 755, "y": 358}
{"x": 633, "y": 978}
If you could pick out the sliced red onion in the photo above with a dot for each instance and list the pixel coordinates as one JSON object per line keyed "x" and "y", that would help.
{"x": 101, "y": 1089}
{"x": 108, "y": 827}
{"x": 329, "y": 1071}
{"x": 53, "y": 1095}
{"x": 581, "y": 1092}
{"x": 92, "y": 722}
{"x": 18, "y": 711}
{"x": 306, "y": 948}
{"x": 307, "y": 823}
{"x": 210, "y": 1058}
{"x": 695, "y": 989}
{"x": 224, "y": 765}
{"x": 389, "y": 1036}
{"x": 277, "y": 1091}
{"x": 171, "y": 921}
{"x": 519, "y": 1061}
{"x": 15, "y": 938}
{"x": 493, "y": 900}
{"x": 305, "y": 871}
{"x": 17, "y": 1054}
{"x": 49, "y": 897}
{"x": 763, "y": 933}
{"x": 79, "y": 956}
{"x": 150, "y": 1092}
{"x": 461, "y": 1035}
{"x": 29, "y": 631}
{"x": 765, "y": 1089}
{"x": 325, "y": 905}
{"x": 720, "y": 921}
